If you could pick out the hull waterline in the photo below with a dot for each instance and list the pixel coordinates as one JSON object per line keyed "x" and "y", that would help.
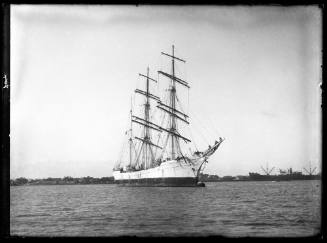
{"x": 160, "y": 182}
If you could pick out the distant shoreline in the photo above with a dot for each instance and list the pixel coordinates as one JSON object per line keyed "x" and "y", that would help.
{"x": 62, "y": 181}
{"x": 110, "y": 180}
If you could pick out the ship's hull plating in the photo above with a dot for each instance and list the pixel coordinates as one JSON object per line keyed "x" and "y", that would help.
{"x": 170, "y": 173}
{"x": 171, "y": 182}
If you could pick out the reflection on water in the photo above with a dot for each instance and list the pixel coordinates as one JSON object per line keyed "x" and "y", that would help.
{"x": 221, "y": 208}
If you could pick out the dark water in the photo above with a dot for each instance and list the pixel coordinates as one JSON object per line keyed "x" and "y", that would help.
{"x": 221, "y": 208}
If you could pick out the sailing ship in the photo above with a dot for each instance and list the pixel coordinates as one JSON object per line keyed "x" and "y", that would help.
{"x": 162, "y": 163}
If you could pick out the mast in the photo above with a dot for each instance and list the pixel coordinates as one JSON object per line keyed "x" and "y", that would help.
{"x": 171, "y": 107}
{"x": 172, "y": 101}
{"x": 146, "y": 151}
{"x": 146, "y": 117}
{"x": 130, "y": 139}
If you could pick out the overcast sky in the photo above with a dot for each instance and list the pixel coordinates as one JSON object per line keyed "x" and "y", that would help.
{"x": 254, "y": 74}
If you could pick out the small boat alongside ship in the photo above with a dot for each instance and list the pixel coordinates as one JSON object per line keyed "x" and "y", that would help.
{"x": 162, "y": 162}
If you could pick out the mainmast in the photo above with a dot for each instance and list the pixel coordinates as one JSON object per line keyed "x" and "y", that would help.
{"x": 171, "y": 107}
{"x": 172, "y": 103}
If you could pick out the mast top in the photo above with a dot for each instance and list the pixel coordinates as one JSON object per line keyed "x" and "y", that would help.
{"x": 147, "y": 76}
{"x": 173, "y": 56}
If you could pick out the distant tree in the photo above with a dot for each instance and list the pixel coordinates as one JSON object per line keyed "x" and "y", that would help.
{"x": 21, "y": 181}
{"x": 87, "y": 180}
{"x": 228, "y": 178}
{"x": 106, "y": 180}
{"x": 68, "y": 178}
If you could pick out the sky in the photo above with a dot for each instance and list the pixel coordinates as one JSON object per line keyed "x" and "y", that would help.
{"x": 254, "y": 74}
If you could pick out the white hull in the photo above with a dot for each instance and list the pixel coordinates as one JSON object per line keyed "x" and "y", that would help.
{"x": 167, "y": 169}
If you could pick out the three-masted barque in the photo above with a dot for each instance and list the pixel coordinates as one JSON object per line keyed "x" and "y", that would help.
{"x": 162, "y": 162}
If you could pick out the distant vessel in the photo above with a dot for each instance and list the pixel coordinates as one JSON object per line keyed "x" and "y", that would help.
{"x": 284, "y": 175}
{"x": 162, "y": 163}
